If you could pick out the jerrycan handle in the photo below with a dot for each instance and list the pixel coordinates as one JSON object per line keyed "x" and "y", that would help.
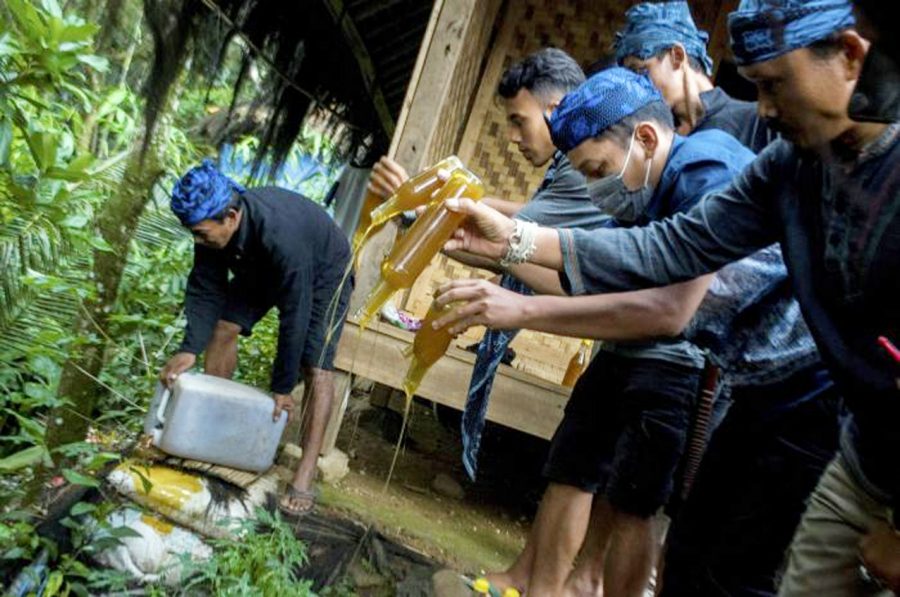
{"x": 163, "y": 403}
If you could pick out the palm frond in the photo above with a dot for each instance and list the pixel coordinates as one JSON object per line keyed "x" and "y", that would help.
{"x": 28, "y": 243}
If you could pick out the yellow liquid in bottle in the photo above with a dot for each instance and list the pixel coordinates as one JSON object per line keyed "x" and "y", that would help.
{"x": 419, "y": 190}
{"x": 428, "y": 346}
{"x": 577, "y": 364}
{"x": 415, "y": 250}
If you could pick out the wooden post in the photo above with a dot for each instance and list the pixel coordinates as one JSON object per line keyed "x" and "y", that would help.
{"x": 343, "y": 383}
{"x": 459, "y": 33}
{"x": 439, "y": 96}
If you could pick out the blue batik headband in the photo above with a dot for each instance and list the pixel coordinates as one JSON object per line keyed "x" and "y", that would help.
{"x": 765, "y": 29}
{"x": 597, "y": 104}
{"x": 653, "y": 27}
{"x": 202, "y": 193}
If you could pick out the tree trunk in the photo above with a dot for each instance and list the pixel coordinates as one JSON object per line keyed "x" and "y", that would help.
{"x": 116, "y": 224}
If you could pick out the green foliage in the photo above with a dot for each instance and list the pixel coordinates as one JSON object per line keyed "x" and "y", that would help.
{"x": 49, "y": 193}
{"x": 264, "y": 561}
{"x": 66, "y": 134}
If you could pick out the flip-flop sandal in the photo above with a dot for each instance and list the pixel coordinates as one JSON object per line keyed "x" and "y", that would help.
{"x": 293, "y": 493}
{"x": 482, "y": 586}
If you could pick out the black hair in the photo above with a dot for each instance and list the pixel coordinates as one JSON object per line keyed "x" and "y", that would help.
{"x": 693, "y": 61}
{"x": 656, "y": 111}
{"x": 602, "y": 63}
{"x": 541, "y": 73}
{"x": 234, "y": 203}
{"x": 828, "y": 47}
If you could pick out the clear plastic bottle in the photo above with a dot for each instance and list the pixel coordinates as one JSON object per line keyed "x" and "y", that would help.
{"x": 577, "y": 364}
{"x": 415, "y": 250}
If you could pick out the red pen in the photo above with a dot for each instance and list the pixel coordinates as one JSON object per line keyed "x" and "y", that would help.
{"x": 889, "y": 348}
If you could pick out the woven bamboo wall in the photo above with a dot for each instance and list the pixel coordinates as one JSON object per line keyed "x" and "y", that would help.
{"x": 584, "y": 28}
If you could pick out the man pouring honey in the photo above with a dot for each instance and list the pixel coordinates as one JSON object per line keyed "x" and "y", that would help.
{"x": 256, "y": 249}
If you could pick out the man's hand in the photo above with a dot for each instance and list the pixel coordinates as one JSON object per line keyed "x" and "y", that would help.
{"x": 880, "y": 553}
{"x": 486, "y": 304}
{"x": 387, "y": 176}
{"x": 283, "y": 402}
{"x": 485, "y": 231}
{"x": 177, "y": 365}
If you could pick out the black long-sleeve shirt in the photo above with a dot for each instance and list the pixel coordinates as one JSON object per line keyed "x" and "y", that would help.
{"x": 284, "y": 243}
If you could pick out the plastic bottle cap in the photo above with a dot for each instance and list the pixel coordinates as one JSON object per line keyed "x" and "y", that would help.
{"x": 482, "y": 585}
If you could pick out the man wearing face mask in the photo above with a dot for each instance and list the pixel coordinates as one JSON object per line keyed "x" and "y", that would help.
{"x": 626, "y": 423}
{"x": 784, "y": 428}
{"x": 829, "y": 193}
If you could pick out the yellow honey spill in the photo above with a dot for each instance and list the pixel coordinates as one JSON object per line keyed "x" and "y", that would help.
{"x": 169, "y": 488}
{"x": 428, "y": 346}
{"x": 160, "y": 525}
{"x": 414, "y": 250}
{"x": 364, "y": 228}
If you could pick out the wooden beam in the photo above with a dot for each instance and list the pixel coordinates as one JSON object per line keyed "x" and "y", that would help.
{"x": 518, "y": 400}
{"x": 449, "y": 30}
{"x": 416, "y": 76}
{"x": 366, "y": 67}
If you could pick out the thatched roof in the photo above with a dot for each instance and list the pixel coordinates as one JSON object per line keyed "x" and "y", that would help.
{"x": 350, "y": 60}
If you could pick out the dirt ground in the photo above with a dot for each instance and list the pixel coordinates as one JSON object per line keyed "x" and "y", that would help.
{"x": 481, "y": 528}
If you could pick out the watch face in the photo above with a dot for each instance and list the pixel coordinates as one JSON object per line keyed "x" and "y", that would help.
{"x": 877, "y": 94}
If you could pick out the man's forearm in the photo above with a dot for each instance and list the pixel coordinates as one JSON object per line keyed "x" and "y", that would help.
{"x": 639, "y": 315}
{"x": 541, "y": 280}
{"x": 506, "y": 207}
{"x": 474, "y": 261}
{"x": 547, "y": 251}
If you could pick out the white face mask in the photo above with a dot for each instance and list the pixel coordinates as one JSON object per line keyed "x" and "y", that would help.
{"x": 613, "y": 198}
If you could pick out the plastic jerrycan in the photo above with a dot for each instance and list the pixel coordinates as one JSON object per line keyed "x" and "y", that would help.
{"x": 216, "y": 420}
{"x": 414, "y": 250}
{"x": 428, "y": 347}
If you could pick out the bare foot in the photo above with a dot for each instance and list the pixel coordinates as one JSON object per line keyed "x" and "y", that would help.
{"x": 581, "y": 585}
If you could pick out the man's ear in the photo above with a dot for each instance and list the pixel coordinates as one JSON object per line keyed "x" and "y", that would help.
{"x": 232, "y": 214}
{"x": 678, "y": 56}
{"x": 853, "y": 49}
{"x": 647, "y": 135}
{"x": 551, "y": 107}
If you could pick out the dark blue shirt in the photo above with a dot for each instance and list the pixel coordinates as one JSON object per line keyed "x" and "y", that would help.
{"x": 704, "y": 162}
{"x": 749, "y": 319}
{"x": 738, "y": 118}
{"x": 838, "y": 224}
{"x": 284, "y": 243}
